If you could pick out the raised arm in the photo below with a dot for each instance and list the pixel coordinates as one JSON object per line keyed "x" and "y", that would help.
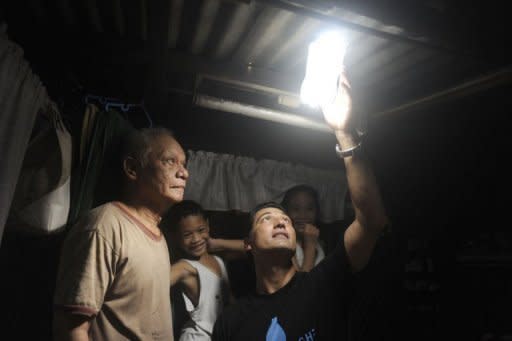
{"x": 219, "y": 245}
{"x": 309, "y": 245}
{"x": 185, "y": 274}
{"x": 180, "y": 271}
{"x": 370, "y": 216}
{"x": 230, "y": 248}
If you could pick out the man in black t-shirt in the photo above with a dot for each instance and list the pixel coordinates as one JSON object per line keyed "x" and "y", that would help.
{"x": 291, "y": 305}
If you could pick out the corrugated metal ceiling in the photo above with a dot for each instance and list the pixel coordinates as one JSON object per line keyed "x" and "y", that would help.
{"x": 388, "y": 65}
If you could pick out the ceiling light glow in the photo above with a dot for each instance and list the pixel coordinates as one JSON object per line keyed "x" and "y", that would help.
{"x": 324, "y": 64}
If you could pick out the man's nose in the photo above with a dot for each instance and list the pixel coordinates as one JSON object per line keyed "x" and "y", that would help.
{"x": 281, "y": 223}
{"x": 182, "y": 173}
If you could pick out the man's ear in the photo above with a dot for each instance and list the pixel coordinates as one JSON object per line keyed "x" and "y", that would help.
{"x": 131, "y": 167}
{"x": 247, "y": 244}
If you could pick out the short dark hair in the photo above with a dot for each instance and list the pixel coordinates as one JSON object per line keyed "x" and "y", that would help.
{"x": 291, "y": 192}
{"x": 181, "y": 210}
{"x": 261, "y": 206}
{"x": 138, "y": 143}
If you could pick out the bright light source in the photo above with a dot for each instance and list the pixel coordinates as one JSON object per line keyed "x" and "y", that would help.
{"x": 324, "y": 64}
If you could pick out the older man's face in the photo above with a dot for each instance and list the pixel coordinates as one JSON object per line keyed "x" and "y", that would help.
{"x": 165, "y": 176}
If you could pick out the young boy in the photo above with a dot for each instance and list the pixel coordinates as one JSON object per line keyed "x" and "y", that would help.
{"x": 202, "y": 276}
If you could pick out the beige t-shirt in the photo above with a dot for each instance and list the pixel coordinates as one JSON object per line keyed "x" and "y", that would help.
{"x": 113, "y": 267}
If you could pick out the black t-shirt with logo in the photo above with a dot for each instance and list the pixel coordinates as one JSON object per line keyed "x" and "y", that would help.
{"x": 312, "y": 306}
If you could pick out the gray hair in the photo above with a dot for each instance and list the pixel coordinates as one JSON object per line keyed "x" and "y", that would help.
{"x": 139, "y": 143}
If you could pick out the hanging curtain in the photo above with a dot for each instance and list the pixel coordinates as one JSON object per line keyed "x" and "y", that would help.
{"x": 226, "y": 182}
{"x": 40, "y": 204}
{"x": 96, "y": 176}
{"x": 21, "y": 96}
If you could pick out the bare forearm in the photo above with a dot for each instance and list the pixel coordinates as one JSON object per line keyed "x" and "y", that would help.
{"x": 309, "y": 257}
{"x": 179, "y": 271}
{"x": 68, "y": 327}
{"x": 221, "y": 245}
{"x": 364, "y": 192}
{"x": 175, "y": 276}
{"x": 310, "y": 235}
{"x": 370, "y": 217}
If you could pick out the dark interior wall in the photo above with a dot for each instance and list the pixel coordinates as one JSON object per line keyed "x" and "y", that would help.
{"x": 446, "y": 164}
{"x": 445, "y": 179}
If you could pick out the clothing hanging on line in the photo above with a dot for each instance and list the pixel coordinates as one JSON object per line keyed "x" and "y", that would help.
{"x": 136, "y": 111}
{"x": 97, "y": 167}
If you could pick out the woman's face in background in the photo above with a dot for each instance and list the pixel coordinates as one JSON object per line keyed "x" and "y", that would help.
{"x": 302, "y": 210}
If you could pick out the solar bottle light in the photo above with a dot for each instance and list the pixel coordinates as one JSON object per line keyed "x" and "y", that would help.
{"x": 324, "y": 65}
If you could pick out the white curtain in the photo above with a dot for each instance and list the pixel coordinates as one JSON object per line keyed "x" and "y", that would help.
{"x": 225, "y": 182}
{"x": 21, "y": 96}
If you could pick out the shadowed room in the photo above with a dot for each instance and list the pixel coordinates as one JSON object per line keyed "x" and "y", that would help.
{"x": 430, "y": 96}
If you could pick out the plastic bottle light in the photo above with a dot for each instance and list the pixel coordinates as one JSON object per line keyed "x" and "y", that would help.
{"x": 324, "y": 64}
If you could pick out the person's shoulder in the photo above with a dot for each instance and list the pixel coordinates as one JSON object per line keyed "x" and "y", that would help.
{"x": 185, "y": 273}
{"x": 105, "y": 220}
{"x": 230, "y": 319}
{"x": 99, "y": 214}
{"x": 185, "y": 265}
{"x": 108, "y": 210}
{"x": 299, "y": 280}
{"x": 235, "y": 318}
{"x": 334, "y": 267}
{"x": 228, "y": 316}
{"x": 90, "y": 229}
{"x": 220, "y": 261}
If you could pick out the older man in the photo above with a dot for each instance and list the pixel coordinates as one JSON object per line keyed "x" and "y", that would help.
{"x": 113, "y": 281}
{"x": 291, "y": 305}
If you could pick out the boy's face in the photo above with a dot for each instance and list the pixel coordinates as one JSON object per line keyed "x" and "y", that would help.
{"x": 194, "y": 232}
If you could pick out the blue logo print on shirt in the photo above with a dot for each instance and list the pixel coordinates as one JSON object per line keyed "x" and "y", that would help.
{"x": 309, "y": 336}
{"x": 275, "y": 332}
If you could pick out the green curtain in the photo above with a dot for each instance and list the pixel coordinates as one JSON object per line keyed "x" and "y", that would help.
{"x": 96, "y": 177}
